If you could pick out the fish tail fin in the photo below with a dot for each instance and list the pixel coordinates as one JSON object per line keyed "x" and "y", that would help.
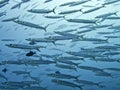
{"x": 81, "y": 87}
{"x": 115, "y": 13}
{"x": 81, "y": 10}
{"x": 78, "y": 64}
{"x": 54, "y": 10}
{"x": 29, "y": 73}
{"x": 54, "y": 43}
{"x": 38, "y": 49}
{"x": 99, "y": 84}
{"x": 107, "y": 40}
{"x": 101, "y": 20}
{"x": 63, "y": 17}
{"x": 111, "y": 25}
{"x": 45, "y": 28}
{"x": 77, "y": 77}
{"x": 82, "y": 36}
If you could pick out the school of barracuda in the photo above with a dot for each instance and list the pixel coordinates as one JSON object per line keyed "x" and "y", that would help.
{"x": 59, "y": 44}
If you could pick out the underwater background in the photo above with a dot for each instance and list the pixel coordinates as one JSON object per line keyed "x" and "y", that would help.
{"x": 59, "y": 45}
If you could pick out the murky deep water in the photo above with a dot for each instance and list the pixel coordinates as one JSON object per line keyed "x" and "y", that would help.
{"x": 99, "y": 46}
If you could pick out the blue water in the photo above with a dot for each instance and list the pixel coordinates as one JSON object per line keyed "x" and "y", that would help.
{"x": 19, "y": 33}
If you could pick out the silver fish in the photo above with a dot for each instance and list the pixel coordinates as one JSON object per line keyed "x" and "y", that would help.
{"x": 62, "y": 75}
{"x": 86, "y": 82}
{"x": 91, "y": 68}
{"x": 66, "y": 83}
{"x": 79, "y": 2}
{"x": 82, "y": 21}
{"x": 66, "y": 66}
{"x": 22, "y": 46}
{"x": 29, "y": 24}
{"x": 93, "y": 9}
{"x": 70, "y": 11}
{"x": 42, "y": 11}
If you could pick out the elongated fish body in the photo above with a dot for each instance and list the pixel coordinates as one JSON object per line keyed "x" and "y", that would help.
{"x": 93, "y": 9}
{"x": 42, "y": 11}
{"x": 2, "y": 14}
{"x": 107, "y": 60}
{"x": 86, "y": 82}
{"x": 35, "y": 88}
{"x": 62, "y": 76}
{"x": 15, "y": 83}
{"x": 108, "y": 47}
{"x": 69, "y": 12}
{"x": 94, "y": 69}
{"x": 94, "y": 39}
{"x": 4, "y": 1}
{"x": 84, "y": 31}
{"x": 29, "y": 24}
{"x": 112, "y": 18}
{"x": 82, "y": 21}
{"x": 104, "y": 74}
{"x": 61, "y": 38}
{"x": 54, "y": 16}
{"x": 84, "y": 54}
{"x": 46, "y": 40}
{"x": 68, "y": 62}
{"x": 22, "y": 46}
{"x": 12, "y": 62}
{"x": 113, "y": 69}
{"x": 46, "y": 1}
{"x": 79, "y": 2}
{"x": 2, "y": 5}
{"x": 110, "y": 2}
{"x": 66, "y": 83}
{"x": 106, "y": 15}
{"x": 50, "y": 56}
{"x": 112, "y": 36}
{"x": 67, "y": 3}
{"x": 10, "y": 19}
{"x": 70, "y": 58}
{"x": 66, "y": 66}
{"x": 38, "y": 62}
{"x": 21, "y": 72}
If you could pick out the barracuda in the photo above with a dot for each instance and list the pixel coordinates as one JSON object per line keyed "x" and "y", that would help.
{"x": 66, "y": 83}
{"x": 42, "y": 11}
{"x": 29, "y": 24}
{"x": 47, "y": 40}
{"x": 93, "y": 9}
{"x": 58, "y": 74}
{"x": 22, "y": 46}
{"x": 79, "y": 2}
{"x": 82, "y": 21}
{"x": 86, "y": 82}
{"x": 70, "y": 11}
{"x": 66, "y": 66}
{"x": 91, "y": 68}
